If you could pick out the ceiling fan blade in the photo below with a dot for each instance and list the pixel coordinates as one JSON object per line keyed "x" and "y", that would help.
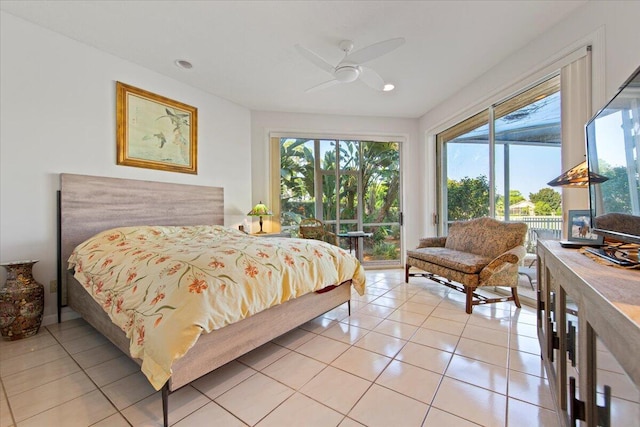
{"x": 315, "y": 59}
{"x": 371, "y": 78}
{"x": 373, "y": 51}
{"x": 322, "y": 85}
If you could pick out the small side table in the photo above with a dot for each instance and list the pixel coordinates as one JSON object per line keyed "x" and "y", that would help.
{"x": 354, "y": 240}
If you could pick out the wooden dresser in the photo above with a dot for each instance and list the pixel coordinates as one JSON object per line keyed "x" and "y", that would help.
{"x": 589, "y": 330}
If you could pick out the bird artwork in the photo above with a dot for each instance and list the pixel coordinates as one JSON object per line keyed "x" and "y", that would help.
{"x": 160, "y": 136}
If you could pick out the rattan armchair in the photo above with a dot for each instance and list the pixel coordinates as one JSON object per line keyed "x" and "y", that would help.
{"x": 312, "y": 228}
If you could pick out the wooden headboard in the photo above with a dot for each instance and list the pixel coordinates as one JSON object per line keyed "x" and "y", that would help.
{"x": 91, "y": 204}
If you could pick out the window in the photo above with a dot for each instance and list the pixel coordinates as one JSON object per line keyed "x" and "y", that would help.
{"x": 497, "y": 163}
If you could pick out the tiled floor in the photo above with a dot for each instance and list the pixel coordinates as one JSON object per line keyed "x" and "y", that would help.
{"x": 407, "y": 356}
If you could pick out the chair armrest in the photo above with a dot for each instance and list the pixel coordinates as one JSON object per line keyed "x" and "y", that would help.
{"x": 502, "y": 261}
{"x": 331, "y": 237}
{"x": 432, "y": 242}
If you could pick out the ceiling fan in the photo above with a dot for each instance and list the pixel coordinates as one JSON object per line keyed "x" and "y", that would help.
{"x": 350, "y": 68}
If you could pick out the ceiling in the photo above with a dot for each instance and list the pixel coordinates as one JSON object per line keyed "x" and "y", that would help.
{"x": 243, "y": 51}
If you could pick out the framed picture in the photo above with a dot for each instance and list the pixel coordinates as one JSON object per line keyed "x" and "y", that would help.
{"x": 155, "y": 132}
{"x": 580, "y": 228}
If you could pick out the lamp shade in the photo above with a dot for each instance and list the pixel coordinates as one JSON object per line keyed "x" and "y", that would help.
{"x": 577, "y": 176}
{"x": 260, "y": 210}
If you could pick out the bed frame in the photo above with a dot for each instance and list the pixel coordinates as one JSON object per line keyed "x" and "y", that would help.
{"x": 90, "y": 204}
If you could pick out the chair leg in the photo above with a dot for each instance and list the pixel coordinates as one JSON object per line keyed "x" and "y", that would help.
{"x": 469, "y": 302}
{"x": 514, "y": 292}
{"x": 406, "y": 273}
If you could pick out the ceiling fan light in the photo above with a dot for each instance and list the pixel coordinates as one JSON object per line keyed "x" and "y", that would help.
{"x": 347, "y": 74}
{"x": 388, "y": 87}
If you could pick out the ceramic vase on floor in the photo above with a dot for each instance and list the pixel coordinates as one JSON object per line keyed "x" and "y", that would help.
{"x": 21, "y": 301}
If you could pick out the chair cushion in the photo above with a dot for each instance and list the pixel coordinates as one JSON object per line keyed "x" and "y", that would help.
{"x": 465, "y": 262}
{"x": 485, "y": 236}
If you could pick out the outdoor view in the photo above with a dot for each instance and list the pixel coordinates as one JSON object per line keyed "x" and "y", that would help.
{"x": 349, "y": 185}
{"x": 526, "y": 156}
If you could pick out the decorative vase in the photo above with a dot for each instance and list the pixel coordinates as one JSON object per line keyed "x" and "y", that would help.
{"x": 21, "y": 301}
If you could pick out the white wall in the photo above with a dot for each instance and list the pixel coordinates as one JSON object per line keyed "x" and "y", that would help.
{"x": 57, "y": 114}
{"x": 611, "y": 27}
{"x": 263, "y": 123}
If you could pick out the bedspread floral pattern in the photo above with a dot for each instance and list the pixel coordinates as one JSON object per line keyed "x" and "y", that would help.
{"x": 164, "y": 286}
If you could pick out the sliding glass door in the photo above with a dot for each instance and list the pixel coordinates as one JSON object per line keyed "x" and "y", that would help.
{"x": 351, "y": 185}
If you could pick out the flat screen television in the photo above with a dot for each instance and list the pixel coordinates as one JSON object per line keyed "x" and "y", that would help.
{"x": 613, "y": 151}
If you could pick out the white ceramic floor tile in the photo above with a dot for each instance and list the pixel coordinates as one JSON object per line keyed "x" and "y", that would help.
{"x": 39, "y": 399}
{"x": 360, "y": 362}
{"x": 294, "y": 369}
{"x": 489, "y": 336}
{"x": 345, "y": 333}
{"x": 407, "y": 317}
{"x": 526, "y": 362}
{"x": 323, "y": 349}
{"x": 472, "y": 403}
{"x": 425, "y": 357}
{"x": 148, "y": 412}
{"x": 388, "y": 302}
{"x": 97, "y": 355}
{"x": 414, "y": 307}
{"x": 5, "y": 414}
{"x": 301, "y": 411}
{"x": 522, "y": 414}
{"x": 337, "y": 389}
{"x": 443, "y": 325}
{"x": 9, "y": 349}
{"x": 455, "y": 315}
{"x": 294, "y": 339}
{"x": 381, "y": 407}
{"x": 525, "y": 343}
{"x": 112, "y": 370}
{"x": 254, "y": 398}
{"x": 39, "y": 375}
{"x": 348, "y": 422}
{"x": 397, "y": 329}
{"x": 65, "y": 335}
{"x": 79, "y": 412}
{"x": 115, "y": 420}
{"x": 435, "y": 339}
{"x": 204, "y": 417}
{"x": 429, "y": 315}
{"x": 410, "y": 380}
{"x": 85, "y": 342}
{"x": 362, "y": 320}
{"x": 478, "y": 373}
{"x": 372, "y": 309}
{"x": 524, "y": 329}
{"x": 439, "y": 418}
{"x": 263, "y": 356}
{"x": 32, "y": 359}
{"x": 489, "y": 353}
{"x": 319, "y": 324}
{"x": 128, "y": 390}
{"x": 381, "y": 343}
{"x": 531, "y": 389}
{"x": 223, "y": 379}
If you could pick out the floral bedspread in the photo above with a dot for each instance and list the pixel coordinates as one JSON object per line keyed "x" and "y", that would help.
{"x": 164, "y": 286}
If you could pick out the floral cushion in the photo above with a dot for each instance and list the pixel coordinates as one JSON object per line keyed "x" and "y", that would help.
{"x": 465, "y": 262}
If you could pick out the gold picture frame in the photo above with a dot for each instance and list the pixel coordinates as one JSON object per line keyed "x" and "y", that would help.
{"x": 155, "y": 132}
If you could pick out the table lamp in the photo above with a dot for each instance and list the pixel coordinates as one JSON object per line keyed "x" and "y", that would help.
{"x": 260, "y": 210}
{"x": 577, "y": 176}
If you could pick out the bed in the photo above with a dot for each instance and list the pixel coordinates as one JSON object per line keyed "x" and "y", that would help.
{"x": 89, "y": 205}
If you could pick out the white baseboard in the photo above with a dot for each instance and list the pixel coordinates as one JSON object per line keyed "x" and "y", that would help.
{"x": 67, "y": 314}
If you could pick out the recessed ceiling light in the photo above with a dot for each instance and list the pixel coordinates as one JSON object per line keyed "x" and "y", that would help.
{"x": 388, "y": 87}
{"x": 184, "y": 64}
